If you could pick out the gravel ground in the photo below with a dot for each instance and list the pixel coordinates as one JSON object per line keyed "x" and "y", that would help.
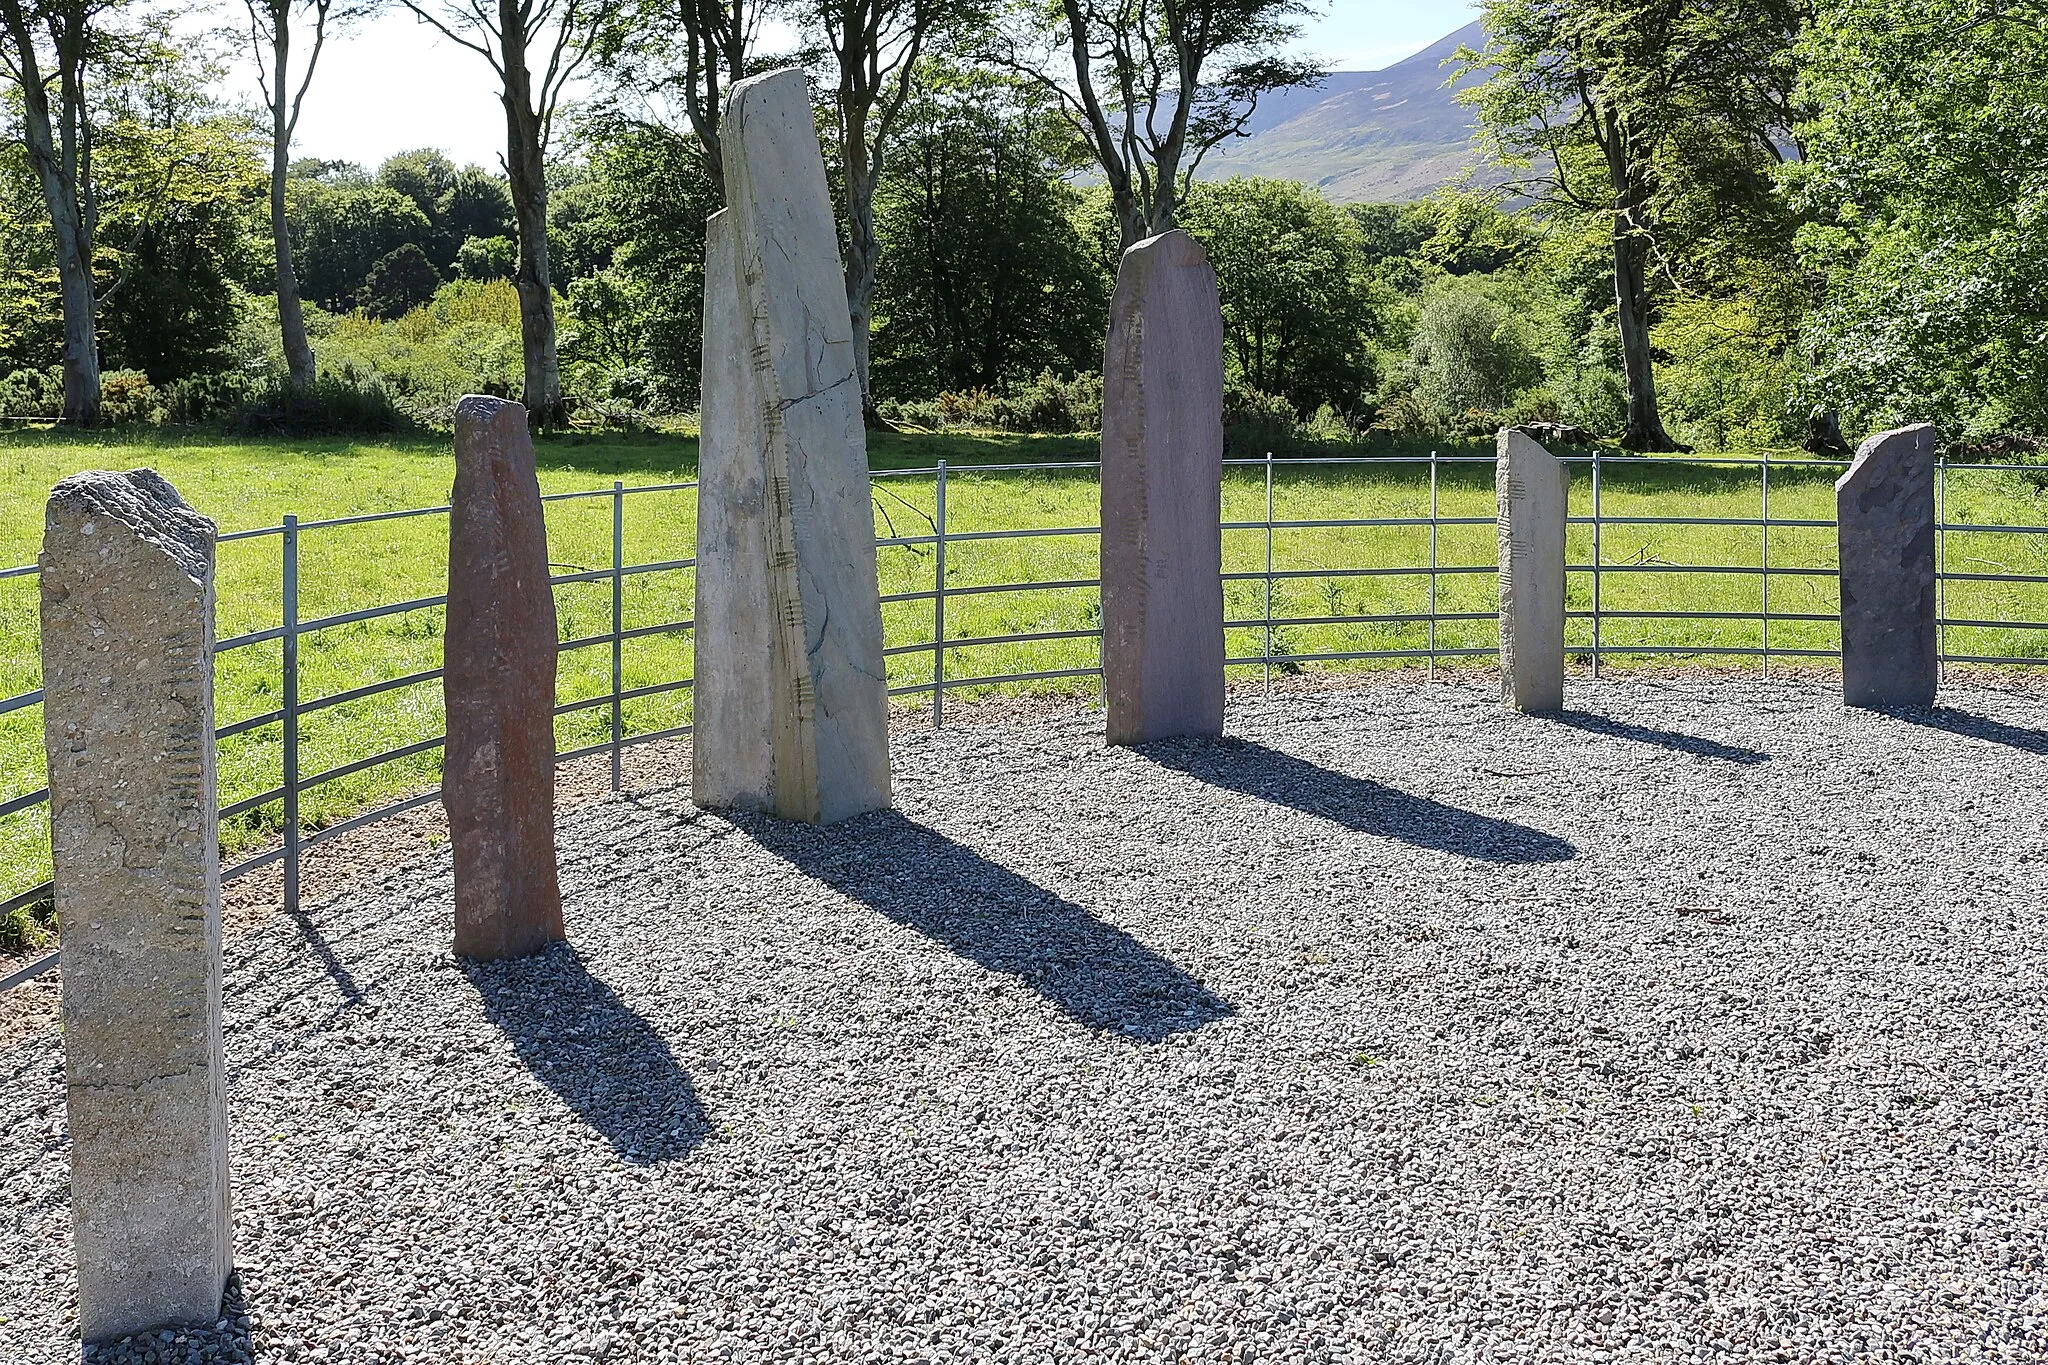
{"x": 1702, "y": 1024}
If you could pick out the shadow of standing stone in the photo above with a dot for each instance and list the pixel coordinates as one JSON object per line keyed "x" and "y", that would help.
{"x": 498, "y": 783}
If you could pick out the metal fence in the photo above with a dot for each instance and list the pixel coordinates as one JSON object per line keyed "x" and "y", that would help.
{"x": 1592, "y": 570}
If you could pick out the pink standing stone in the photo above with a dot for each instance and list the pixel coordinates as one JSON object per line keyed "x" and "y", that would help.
{"x": 1162, "y": 489}
{"x": 498, "y": 783}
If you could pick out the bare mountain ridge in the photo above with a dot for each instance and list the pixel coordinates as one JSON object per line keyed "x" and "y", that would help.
{"x": 1384, "y": 136}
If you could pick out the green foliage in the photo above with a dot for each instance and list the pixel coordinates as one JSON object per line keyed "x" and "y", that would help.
{"x": 464, "y": 340}
{"x": 339, "y": 403}
{"x": 487, "y": 258}
{"x": 1299, "y": 314}
{"x": 340, "y": 227}
{"x": 1926, "y": 183}
{"x": 986, "y": 278}
{"x": 1473, "y": 350}
{"x": 127, "y": 398}
{"x": 400, "y": 282}
{"x": 34, "y": 394}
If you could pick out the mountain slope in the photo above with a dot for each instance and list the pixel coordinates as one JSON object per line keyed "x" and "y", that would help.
{"x": 1375, "y": 136}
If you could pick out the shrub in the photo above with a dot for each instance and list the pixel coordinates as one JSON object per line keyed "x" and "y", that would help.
{"x": 400, "y": 282}
{"x": 203, "y": 397}
{"x": 1254, "y": 422}
{"x": 1471, "y": 353}
{"x": 33, "y": 393}
{"x": 128, "y": 398}
{"x": 344, "y": 403}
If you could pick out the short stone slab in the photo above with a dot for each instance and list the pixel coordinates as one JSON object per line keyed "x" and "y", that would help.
{"x": 1884, "y": 517}
{"x": 1532, "y": 487}
{"x": 1162, "y": 482}
{"x": 498, "y": 677}
{"x": 790, "y": 689}
{"x": 127, "y": 651}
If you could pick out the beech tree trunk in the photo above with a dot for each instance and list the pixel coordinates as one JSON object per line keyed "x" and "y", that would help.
{"x": 1645, "y": 426}
{"x": 541, "y": 389}
{"x": 863, "y": 254}
{"x": 291, "y": 316}
{"x": 57, "y": 171}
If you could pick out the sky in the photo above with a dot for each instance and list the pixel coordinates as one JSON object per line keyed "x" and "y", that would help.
{"x": 393, "y": 84}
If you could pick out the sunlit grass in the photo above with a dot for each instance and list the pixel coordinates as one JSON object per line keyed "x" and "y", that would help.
{"x": 246, "y": 485}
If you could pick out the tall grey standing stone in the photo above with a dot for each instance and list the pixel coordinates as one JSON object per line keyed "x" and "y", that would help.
{"x": 498, "y": 678}
{"x": 127, "y": 640}
{"x": 1532, "y": 487}
{"x": 792, "y": 701}
{"x": 1884, "y": 514}
{"x": 1162, "y": 481}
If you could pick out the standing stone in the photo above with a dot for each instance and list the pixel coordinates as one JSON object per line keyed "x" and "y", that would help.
{"x": 1532, "y": 486}
{"x": 1162, "y": 492}
{"x": 498, "y": 676}
{"x": 127, "y": 638}
{"x": 1884, "y": 515}
{"x": 792, "y": 699}
{"x": 733, "y": 737}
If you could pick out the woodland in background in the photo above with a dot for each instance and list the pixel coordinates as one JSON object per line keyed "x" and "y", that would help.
{"x": 1736, "y": 223}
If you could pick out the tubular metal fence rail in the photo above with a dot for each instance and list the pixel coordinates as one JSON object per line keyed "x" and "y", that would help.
{"x": 293, "y": 707}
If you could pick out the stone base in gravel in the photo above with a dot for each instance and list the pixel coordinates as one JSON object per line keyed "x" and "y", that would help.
{"x": 1700, "y": 1022}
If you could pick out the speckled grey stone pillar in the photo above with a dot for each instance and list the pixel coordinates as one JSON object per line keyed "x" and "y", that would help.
{"x": 1532, "y": 487}
{"x": 127, "y": 640}
{"x": 1884, "y": 515}
{"x": 789, "y": 641}
{"x": 1162, "y": 490}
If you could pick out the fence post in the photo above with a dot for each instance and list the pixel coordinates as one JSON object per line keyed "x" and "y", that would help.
{"x": 291, "y": 713}
{"x": 1432, "y": 563}
{"x": 1268, "y": 651}
{"x": 939, "y": 606}
{"x": 1941, "y": 570}
{"x": 1596, "y": 563}
{"x": 618, "y": 618}
{"x": 1765, "y": 461}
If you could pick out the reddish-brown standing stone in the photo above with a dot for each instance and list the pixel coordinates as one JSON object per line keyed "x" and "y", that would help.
{"x": 498, "y": 675}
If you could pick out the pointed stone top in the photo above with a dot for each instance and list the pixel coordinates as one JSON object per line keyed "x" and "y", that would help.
{"x": 1882, "y": 446}
{"x": 1514, "y": 441}
{"x": 143, "y": 503}
{"x": 1175, "y": 247}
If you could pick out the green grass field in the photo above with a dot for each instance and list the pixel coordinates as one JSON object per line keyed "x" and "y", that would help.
{"x": 253, "y": 484}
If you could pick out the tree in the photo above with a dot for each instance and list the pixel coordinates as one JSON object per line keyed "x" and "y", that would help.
{"x": 1298, "y": 315}
{"x": 400, "y": 282}
{"x": 88, "y": 83}
{"x": 1616, "y": 107}
{"x": 875, "y": 46}
{"x": 270, "y": 41}
{"x": 1156, "y": 85}
{"x": 1926, "y": 190}
{"x": 987, "y": 280}
{"x": 659, "y": 51}
{"x": 341, "y": 225}
{"x": 509, "y": 34}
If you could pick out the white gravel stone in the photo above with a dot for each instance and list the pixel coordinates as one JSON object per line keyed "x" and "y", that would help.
{"x": 1702, "y": 1024}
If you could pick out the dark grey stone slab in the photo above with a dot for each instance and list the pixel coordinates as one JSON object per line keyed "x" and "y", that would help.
{"x": 498, "y": 783}
{"x": 127, "y": 641}
{"x": 1884, "y": 513}
{"x": 1162, "y": 480}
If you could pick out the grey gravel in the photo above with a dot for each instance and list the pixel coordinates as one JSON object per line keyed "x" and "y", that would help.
{"x": 1703, "y": 1024}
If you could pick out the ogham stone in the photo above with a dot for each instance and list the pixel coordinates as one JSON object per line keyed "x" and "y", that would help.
{"x": 1162, "y": 479}
{"x": 1532, "y": 487}
{"x": 793, "y": 542}
{"x": 732, "y": 758}
{"x": 1884, "y": 515}
{"x": 127, "y": 654}
{"x": 498, "y": 678}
